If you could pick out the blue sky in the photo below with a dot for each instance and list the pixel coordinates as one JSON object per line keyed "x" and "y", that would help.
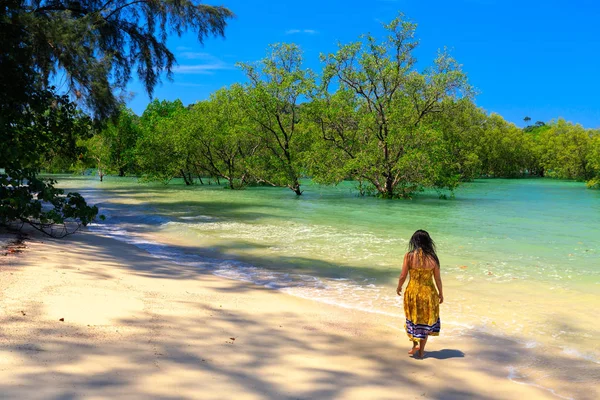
{"x": 534, "y": 58}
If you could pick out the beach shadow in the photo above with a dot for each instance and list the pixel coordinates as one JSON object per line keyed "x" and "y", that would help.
{"x": 444, "y": 354}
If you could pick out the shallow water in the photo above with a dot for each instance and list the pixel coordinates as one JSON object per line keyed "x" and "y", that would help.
{"x": 520, "y": 258}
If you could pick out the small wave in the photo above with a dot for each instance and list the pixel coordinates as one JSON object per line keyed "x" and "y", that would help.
{"x": 513, "y": 375}
{"x": 578, "y": 354}
{"x": 364, "y": 295}
{"x": 302, "y": 239}
{"x": 198, "y": 218}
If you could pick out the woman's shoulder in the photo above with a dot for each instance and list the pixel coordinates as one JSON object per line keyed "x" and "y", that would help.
{"x": 409, "y": 255}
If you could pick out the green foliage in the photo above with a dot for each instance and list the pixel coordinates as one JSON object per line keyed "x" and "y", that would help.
{"x": 97, "y": 44}
{"x": 593, "y": 183}
{"x": 504, "y": 148}
{"x": 27, "y": 199}
{"x": 35, "y": 125}
{"x": 47, "y": 126}
{"x": 534, "y": 127}
{"x": 98, "y": 149}
{"x": 121, "y": 136}
{"x": 566, "y": 151}
{"x": 594, "y": 160}
{"x": 393, "y": 130}
{"x": 462, "y": 131}
{"x": 374, "y": 118}
{"x": 379, "y": 126}
{"x": 271, "y": 101}
{"x": 222, "y": 140}
{"x": 94, "y": 46}
{"x": 162, "y": 147}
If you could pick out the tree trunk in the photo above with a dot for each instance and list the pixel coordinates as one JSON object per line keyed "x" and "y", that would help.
{"x": 361, "y": 188}
{"x": 389, "y": 185}
{"x": 389, "y": 177}
{"x": 296, "y": 188}
{"x": 198, "y": 174}
{"x": 121, "y": 172}
{"x": 100, "y": 174}
{"x": 185, "y": 179}
{"x": 231, "y": 174}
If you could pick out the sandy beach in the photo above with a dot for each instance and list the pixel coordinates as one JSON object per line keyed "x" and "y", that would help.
{"x": 91, "y": 317}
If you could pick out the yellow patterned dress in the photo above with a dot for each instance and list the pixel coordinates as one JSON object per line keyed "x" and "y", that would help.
{"x": 421, "y": 302}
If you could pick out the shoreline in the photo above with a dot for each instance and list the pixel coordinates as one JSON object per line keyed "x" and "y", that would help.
{"x": 151, "y": 328}
{"x": 477, "y": 296}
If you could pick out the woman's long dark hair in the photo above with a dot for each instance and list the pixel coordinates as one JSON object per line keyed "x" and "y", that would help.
{"x": 421, "y": 240}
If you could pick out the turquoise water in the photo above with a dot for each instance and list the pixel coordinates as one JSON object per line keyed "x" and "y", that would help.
{"x": 505, "y": 246}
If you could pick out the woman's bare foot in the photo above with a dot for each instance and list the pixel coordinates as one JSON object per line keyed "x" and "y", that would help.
{"x": 413, "y": 350}
{"x": 422, "y": 344}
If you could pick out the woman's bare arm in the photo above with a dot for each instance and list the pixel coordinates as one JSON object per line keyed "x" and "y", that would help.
{"x": 403, "y": 275}
{"x": 438, "y": 282}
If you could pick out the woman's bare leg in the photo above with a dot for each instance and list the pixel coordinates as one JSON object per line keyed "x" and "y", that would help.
{"x": 422, "y": 347}
{"x": 415, "y": 347}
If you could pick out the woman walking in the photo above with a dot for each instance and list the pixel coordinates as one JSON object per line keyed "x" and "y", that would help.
{"x": 421, "y": 300}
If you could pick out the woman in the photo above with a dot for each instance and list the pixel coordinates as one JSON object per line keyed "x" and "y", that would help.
{"x": 421, "y": 300}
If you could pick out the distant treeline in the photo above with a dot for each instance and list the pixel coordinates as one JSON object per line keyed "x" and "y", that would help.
{"x": 369, "y": 117}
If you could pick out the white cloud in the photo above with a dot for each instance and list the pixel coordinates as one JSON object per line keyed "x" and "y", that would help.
{"x": 208, "y": 64}
{"x": 196, "y": 56}
{"x": 307, "y": 31}
{"x": 201, "y": 69}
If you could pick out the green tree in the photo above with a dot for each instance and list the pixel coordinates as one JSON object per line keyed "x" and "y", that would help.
{"x": 565, "y": 151}
{"x": 221, "y": 138}
{"x": 34, "y": 124}
{"x": 94, "y": 46}
{"x": 594, "y": 160}
{"x": 390, "y": 140}
{"x": 462, "y": 131}
{"x": 504, "y": 149}
{"x": 98, "y": 149}
{"x": 112, "y": 149}
{"x": 272, "y": 96}
{"x": 122, "y": 135}
{"x": 162, "y": 149}
{"x": 97, "y": 43}
{"x": 41, "y": 128}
